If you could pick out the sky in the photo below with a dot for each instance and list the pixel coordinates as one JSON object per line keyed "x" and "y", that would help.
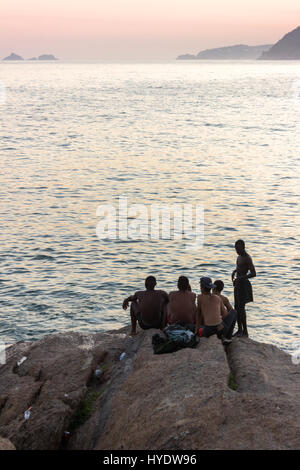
{"x": 139, "y": 29}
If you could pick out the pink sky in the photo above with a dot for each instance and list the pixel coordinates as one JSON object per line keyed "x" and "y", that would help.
{"x": 139, "y": 29}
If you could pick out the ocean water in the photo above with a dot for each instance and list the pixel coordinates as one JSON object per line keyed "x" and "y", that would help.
{"x": 76, "y": 135}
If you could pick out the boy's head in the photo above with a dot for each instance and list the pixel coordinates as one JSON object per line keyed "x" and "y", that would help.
{"x": 218, "y": 287}
{"x": 240, "y": 247}
{"x": 183, "y": 283}
{"x": 150, "y": 282}
{"x": 206, "y": 285}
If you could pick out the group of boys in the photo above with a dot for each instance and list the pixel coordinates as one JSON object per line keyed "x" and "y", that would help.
{"x": 208, "y": 314}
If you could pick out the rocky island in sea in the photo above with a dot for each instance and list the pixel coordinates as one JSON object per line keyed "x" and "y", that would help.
{"x": 13, "y": 56}
{"x": 47, "y": 57}
{"x": 109, "y": 391}
{"x": 44, "y": 57}
{"x": 287, "y": 48}
{"x": 237, "y": 52}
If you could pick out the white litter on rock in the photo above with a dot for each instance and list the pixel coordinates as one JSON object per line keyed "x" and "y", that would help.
{"x": 27, "y": 414}
{"x": 98, "y": 372}
{"x": 128, "y": 365}
{"x": 21, "y": 361}
{"x": 122, "y": 356}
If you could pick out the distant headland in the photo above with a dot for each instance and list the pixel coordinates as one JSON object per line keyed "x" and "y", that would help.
{"x": 14, "y": 56}
{"x": 237, "y": 52}
{"x": 288, "y": 48}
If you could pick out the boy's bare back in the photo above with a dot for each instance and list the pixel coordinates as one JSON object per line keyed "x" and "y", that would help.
{"x": 211, "y": 309}
{"x": 151, "y": 303}
{"x": 182, "y": 306}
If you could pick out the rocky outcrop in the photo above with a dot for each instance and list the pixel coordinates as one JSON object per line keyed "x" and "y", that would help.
{"x": 170, "y": 401}
{"x": 13, "y": 56}
{"x": 288, "y": 48}
{"x": 80, "y": 395}
{"x": 238, "y": 52}
{"x": 53, "y": 379}
{"x": 5, "y": 444}
{"x": 47, "y": 57}
{"x": 202, "y": 399}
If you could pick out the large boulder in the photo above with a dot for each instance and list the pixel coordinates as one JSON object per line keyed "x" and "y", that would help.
{"x": 265, "y": 413}
{"x": 80, "y": 395}
{"x": 50, "y": 378}
{"x": 170, "y": 401}
{"x": 247, "y": 398}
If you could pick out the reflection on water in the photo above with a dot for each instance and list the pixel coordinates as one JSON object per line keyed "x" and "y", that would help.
{"x": 74, "y": 136}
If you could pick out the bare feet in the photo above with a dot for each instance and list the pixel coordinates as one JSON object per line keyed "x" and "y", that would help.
{"x": 238, "y": 333}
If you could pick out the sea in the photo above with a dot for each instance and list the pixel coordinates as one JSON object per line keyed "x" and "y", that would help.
{"x": 75, "y": 136}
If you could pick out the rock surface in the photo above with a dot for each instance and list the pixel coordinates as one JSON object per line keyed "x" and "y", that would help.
{"x": 203, "y": 398}
{"x": 183, "y": 401}
{"x": 5, "y": 444}
{"x": 288, "y": 48}
{"x": 170, "y": 401}
{"x": 52, "y": 382}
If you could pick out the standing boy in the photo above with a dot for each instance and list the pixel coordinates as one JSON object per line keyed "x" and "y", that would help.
{"x": 242, "y": 286}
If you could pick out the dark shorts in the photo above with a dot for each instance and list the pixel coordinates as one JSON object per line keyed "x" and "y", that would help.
{"x": 228, "y": 323}
{"x": 189, "y": 326}
{"x": 146, "y": 326}
{"x": 243, "y": 293}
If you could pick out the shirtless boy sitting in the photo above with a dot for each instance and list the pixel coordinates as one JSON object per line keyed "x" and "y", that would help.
{"x": 217, "y": 289}
{"x": 212, "y": 314}
{"x": 182, "y": 303}
{"x": 147, "y": 307}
